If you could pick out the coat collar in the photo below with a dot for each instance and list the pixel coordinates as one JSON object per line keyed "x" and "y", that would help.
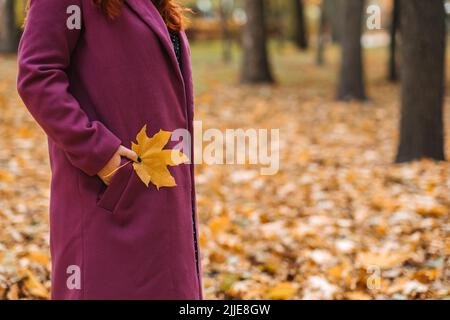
{"x": 146, "y": 10}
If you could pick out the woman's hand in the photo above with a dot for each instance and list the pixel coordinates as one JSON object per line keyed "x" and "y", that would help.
{"x": 106, "y": 174}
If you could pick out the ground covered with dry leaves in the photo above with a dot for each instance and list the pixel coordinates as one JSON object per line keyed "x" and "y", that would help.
{"x": 339, "y": 220}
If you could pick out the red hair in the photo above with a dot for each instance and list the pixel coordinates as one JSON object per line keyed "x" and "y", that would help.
{"x": 171, "y": 12}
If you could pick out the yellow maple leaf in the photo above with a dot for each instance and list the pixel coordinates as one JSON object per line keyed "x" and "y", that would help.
{"x": 154, "y": 160}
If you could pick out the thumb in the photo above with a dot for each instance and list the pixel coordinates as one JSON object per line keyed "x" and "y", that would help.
{"x": 130, "y": 154}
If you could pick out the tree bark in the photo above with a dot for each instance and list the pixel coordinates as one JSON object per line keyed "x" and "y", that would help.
{"x": 351, "y": 83}
{"x": 423, "y": 32}
{"x": 9, "y": 37}
{"x": 335, "y": 17}
{"x": 301, "y": 29}
{"x": 255, "y": 67}
{"x": 277, "y": 8}
{"x": 321, "y": 35}
{"x": 224, "y": 13}
{"x": 395, "y": 24}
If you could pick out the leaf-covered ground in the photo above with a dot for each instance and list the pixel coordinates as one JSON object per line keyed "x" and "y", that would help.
{"x": 339, "y": 220}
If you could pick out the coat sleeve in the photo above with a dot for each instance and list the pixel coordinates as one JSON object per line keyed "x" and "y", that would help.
{"x": 44, "y": 56}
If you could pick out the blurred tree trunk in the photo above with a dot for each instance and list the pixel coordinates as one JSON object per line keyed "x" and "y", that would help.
{"x": 277, "y": 7}
{"x": 9, "y": 36}
{"x": 300, "y": 25}
{"x": 321, "y": 35}
{"x": 351, "y": 82}
{"x": 423, "y": 58}
{"x": 335, "y": 17}
{"x": 224, "y": 13}
{"x": 395, "y": 25}
{"x": 255, "y": 67}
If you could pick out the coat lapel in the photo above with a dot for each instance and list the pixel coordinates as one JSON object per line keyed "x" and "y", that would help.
{"x": 187, "y": 71}
{"x": 146, "y": 10}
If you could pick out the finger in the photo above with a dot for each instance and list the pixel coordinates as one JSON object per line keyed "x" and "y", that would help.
{"x": 130, "y": 154}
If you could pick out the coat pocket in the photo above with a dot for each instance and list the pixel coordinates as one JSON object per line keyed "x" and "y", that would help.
{"x": 110, "y": 196}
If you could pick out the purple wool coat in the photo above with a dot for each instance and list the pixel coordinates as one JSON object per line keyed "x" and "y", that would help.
{"x": 91, "y": 90}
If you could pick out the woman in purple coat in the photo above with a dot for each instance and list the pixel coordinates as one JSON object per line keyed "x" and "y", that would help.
{"x": 93, "y": 73}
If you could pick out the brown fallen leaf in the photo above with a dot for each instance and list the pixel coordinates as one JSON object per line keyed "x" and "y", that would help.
{"x": 34, "y": 287}
{"x": 336, "y": 271}
{"x": 383, "y": 260}
{"x": 434, "y": 211}
{"x": 357, "y": 295}
{"x": 5, "y": 176}
{"x": 282, "y": 291}
{"x": 13, "y": 292}
{"x": 219, "y": 224}
{"x": 38, "y": 257}
{"x": 426, "y": 275}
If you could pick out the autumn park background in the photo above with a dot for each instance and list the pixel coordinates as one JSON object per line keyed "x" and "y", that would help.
{"x": 360, "y": 206}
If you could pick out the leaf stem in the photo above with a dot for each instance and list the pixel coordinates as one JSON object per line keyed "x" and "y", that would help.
{"x": 114, "y": 171}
